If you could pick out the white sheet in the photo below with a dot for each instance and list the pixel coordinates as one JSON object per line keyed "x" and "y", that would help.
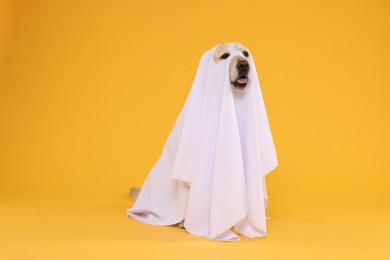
{"x": 211, "y": 172}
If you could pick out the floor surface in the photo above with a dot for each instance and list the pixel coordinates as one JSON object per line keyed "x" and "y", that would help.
{"x": 97, "y": 228}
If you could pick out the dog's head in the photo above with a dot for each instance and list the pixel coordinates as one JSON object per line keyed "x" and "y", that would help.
{"x": 237, "y": 54}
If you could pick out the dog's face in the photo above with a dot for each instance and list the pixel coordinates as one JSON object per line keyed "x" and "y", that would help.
{"x": 239, "y": 67}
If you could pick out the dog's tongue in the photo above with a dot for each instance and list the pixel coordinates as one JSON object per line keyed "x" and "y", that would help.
{"x": 242, "y": 81}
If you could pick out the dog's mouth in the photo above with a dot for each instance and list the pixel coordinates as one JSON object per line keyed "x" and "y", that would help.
{"x": 241, "y": 82}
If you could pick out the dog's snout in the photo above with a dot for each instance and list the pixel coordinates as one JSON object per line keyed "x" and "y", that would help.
{"x": 243, "y": 65}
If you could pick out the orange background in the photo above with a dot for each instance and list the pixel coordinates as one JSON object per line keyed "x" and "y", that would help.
{"x": 89, "y": 91}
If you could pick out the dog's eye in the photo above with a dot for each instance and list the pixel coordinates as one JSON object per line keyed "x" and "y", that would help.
{"x": 246, "y": 54}
{"x": 225, "y": 56}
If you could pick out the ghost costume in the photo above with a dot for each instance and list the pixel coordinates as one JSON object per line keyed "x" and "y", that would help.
{"x": 210, "y": 176}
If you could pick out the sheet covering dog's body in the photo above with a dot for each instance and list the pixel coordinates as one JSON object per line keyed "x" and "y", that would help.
{"x": 210, "y": 176}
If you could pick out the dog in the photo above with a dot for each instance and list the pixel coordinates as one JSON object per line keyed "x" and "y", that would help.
{"x": 239, "y": 65}
{"x": 210, "y": 176}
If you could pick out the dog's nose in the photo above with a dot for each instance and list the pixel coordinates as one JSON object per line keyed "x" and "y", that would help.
{"x": 243, "y": 65}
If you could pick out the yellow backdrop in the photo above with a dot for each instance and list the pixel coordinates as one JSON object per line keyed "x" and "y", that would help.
{"x": 89, "y": 91}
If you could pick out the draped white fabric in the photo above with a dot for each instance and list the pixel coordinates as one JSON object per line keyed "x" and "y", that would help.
{"x": 211, "y": 172}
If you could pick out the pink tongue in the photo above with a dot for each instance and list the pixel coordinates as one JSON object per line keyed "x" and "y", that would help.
{"x": 242, "y": 81}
